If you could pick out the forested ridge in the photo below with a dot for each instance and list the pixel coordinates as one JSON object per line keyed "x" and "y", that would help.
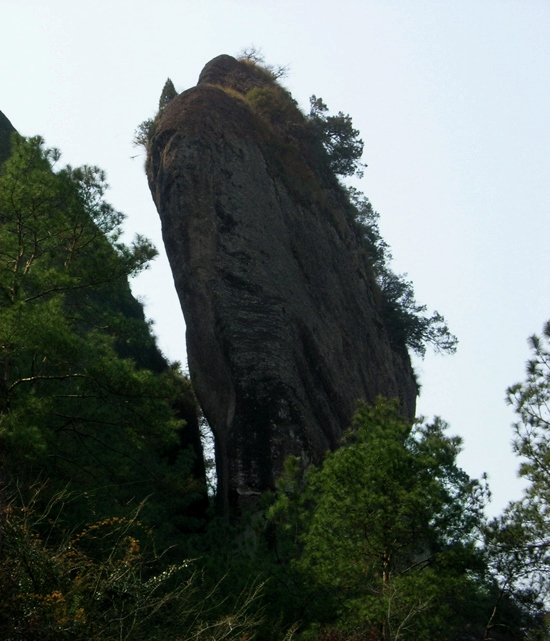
{"x": 107, "y": 530}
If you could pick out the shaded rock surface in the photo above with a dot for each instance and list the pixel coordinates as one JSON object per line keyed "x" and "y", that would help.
{"x": 6, "y": 130}
{"x": 284, "y": 331}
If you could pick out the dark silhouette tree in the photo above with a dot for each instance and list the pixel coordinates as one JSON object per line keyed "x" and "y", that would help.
{"x": 338, "y": 137}
{"x": 168, "y": 93}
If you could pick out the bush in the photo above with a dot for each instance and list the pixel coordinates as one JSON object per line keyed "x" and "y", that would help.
{"x": 104, "y": 582}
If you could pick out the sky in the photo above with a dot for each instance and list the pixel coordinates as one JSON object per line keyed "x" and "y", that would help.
{"x": 452, "y": 100}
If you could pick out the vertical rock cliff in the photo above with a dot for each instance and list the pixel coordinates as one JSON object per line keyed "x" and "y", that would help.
{"x": 284, "y": 330}
{"x": 6, "y": 131}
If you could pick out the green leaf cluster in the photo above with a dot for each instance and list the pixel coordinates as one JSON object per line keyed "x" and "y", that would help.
{"x": 86, "y": 399}
{"x": 338, "y": 137}
{"x": 408, "y": 324}
{"x": 386, "y": 528}
{"x": 518, "y": 542}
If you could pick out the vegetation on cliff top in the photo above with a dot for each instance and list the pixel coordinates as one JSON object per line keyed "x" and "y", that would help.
{"x": 334, "y": 147}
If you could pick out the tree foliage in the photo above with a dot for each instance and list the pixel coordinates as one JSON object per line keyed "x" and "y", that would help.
{"x": 388, "y": 525}
{"x": 168, "y": 93}
{"x": 531, "y": 401}
{"x": 88, "y": 406}
{"x": 408, "y": 323}
{"x": 75, "y": 405}
{"x": 519, "y": 541}
{"x": 338, "y": 137}
{"x": 145, "y": 130}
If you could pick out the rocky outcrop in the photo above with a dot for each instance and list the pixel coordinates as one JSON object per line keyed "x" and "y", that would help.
{"x": 6, "y": 131}
{"x": 284, "y": 330}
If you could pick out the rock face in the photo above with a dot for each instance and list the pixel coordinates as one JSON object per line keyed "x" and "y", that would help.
{"x": 284, "y": 332}
{"x": 6, "y": 130}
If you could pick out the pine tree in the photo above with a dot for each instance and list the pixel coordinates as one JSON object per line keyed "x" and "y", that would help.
{"x": 519, "y": 541}
{"x": 168, "y": 93}
{"x": 386, "y": 528}
{"x": 75, "y": 406}
{"x": 338, "y": 137}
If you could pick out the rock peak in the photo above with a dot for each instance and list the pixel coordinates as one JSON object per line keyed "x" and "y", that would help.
{"x": 6, "y": 131}
{"x": 227, "y": 71}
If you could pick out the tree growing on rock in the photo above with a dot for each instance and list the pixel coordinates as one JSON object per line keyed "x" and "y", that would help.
{"x": 145, "y": 130}
{"x": 168, "y": 93}
{"x": 338, "y": 137}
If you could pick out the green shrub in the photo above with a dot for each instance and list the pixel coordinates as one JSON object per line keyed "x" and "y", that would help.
{"x": 103, "y": 582}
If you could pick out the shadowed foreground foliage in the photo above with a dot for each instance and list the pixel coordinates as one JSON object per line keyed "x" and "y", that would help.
{"x": 104, "y": 581}
{"x": 86, "y": 398}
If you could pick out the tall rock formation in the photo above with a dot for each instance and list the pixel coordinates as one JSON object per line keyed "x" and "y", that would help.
{"x": 284, "y": 330}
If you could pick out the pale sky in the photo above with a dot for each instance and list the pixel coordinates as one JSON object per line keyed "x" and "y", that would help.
{"x": 452, "y": 100}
